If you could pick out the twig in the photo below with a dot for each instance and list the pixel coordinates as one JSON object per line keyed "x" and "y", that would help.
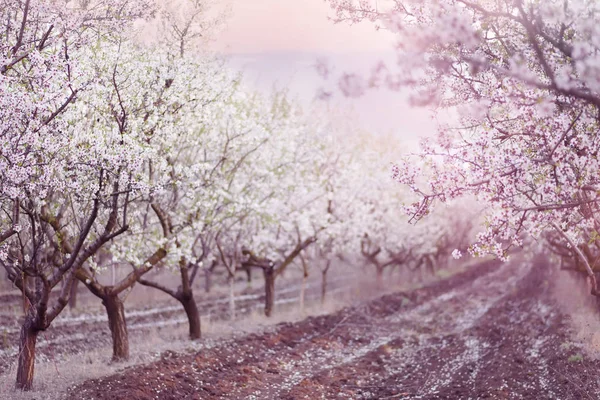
{"x": 337, "y": 325}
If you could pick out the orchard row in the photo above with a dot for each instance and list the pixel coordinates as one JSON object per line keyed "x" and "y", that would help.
{"x": 118, "y": 152}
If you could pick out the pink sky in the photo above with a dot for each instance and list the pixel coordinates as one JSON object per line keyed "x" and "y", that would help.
{"x": 276, "y": 42}
{"x": 258, "y": 26}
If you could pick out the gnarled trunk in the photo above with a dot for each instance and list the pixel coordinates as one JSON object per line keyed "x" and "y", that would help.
{"x": 269, "y": 274}
{"x": 323, "y": 286}
{"x": 118, "y": 326}
{"x": 191, "y": 311}
{"x": 231, "y": 297}
{"x": 379, "y": 277}
{"x": 27, "y": 343}
{"x": 207, "y": 280}
{"x": 303, "y": 292}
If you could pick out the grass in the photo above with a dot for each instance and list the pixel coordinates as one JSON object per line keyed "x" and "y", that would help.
{"x": 575, "y": 358}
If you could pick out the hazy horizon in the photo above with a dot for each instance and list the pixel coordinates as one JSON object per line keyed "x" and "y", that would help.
{"x": 380, "y": 112}
{"x": 278, "y": 42}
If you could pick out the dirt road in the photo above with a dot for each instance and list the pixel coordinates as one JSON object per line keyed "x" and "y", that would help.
{"x": 492, "y": 332}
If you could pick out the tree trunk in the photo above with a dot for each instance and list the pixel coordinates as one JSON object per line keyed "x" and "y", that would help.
{"x": 25, "y": 299}
{"x": 73, "y": 296}
{"x": 118, "y": 326}
{"x": 193, "y": 316}
{"x": 26, "y": 356}
{"x": 249, "y": 276}
{"x": 207, "y": 279}
{"x": 231, "y": 297}
{"x": 323, "y": 286}
{"x": 431, "y": 266}
{"x": 379, "y": 277}
{"x": 302, "y": 292}
{"x": 269, "y": 274}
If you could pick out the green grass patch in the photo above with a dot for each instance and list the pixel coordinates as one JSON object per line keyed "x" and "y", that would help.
{"x": 575, "y": 358}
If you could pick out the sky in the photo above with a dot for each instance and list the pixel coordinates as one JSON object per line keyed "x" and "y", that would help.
{"x": 259, "y": 26}
{"x": 276, "y": 43}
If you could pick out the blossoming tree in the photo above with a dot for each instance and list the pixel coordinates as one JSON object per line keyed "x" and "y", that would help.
{"x": 522, "y": 78}
{"x": 67, "y": 189}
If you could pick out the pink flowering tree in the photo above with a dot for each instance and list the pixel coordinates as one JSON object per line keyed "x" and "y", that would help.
{"x": 522, "y": 79}
{"x": 383, "y": 236}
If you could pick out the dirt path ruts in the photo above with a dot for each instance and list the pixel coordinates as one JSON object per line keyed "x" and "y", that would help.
{"x": 492, "y": 332}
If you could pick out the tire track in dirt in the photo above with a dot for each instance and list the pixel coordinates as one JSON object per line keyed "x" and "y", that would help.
{"x": 524, "y": 338}
{"x": 410, "y": 342}
{"x": 510, "y": 348}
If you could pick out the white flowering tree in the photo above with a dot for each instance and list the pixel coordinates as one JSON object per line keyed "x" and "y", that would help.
{"x": 290, "y": 197}
{"x": 156, "y": 94}
{"x": 183, "y": 27}
{"x": 138, "y": 95}
{"x": 66, "y": 190}
{"x": 196, "y": 130}
{"x": 384, "y": 237}
{"x": 386, "y": 240}
{"x": 340, "y": 173}
{"x": 212, "y": 163}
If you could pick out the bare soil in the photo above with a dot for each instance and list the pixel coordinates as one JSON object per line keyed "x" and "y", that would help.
{"x": 77, "y": 333}
{"x": 492, "y": 332}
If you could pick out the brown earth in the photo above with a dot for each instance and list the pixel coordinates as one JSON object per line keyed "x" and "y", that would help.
{"x": 76, "y": 334}
{"x": 492, "y": 332}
